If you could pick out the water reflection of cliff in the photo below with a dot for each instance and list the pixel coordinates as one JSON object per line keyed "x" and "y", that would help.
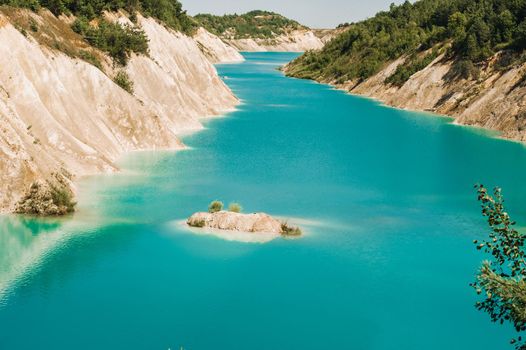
{"x": 30, "y": 247}
{"x": 23, "y": 241}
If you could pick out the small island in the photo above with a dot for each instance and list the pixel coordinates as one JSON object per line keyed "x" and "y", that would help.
{"x": 233, "y": 220}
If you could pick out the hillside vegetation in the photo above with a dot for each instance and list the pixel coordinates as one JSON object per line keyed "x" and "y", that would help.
{"x": 116, "y": 40}
{"x": 468, "y": 31}
{"x": 254, "y": 24}
{"x": 170, "y": 12}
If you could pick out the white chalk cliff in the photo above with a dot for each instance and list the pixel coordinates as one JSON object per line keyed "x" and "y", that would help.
{"x": 299, "y": 40}
{"x": 215, "y": 49}
{"x": 62, "y": 115}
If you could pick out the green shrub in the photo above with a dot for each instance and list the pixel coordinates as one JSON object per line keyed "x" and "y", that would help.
{"x": 117, "y": 40}
{"x": 123, "y": 80}
{"x": 62, "y": 197}
{"x": 81, "y": 26}
{"x": 235, "y": 207}
{"x": 197, "y": 223}
{"x": 215, "y": 206}
{"x": 290, "y": 230}
{"x": 33, "y": 25}
{"x": 169, "y": 12}
{"x": 90, "y": 58}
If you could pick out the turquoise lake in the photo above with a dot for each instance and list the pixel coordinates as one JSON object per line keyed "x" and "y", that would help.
{"x": 385, "y": 262}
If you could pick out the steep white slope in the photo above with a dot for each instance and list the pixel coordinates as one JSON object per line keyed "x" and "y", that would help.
{"x": 495, "y": 100}
{"x": 177, "y": 81}
{"x": 215, "y": 49}
{"x": 295, "y": 41}
{"x": 63, "y": 115}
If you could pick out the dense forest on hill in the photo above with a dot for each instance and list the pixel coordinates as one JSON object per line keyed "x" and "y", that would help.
{"x": 468, "y": 31}
{"x": 254, "y": 24}
{"x": 168, "y": 11}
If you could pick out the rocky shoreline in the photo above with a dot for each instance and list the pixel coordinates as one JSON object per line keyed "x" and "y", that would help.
{"x": 493, "y": 101}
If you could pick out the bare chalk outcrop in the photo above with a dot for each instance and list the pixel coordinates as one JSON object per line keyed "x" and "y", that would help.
{"x": 494, "y": 100}
{"x": 226, "y": 220}
{"x": 299, "y": 40}
{"x": 60, "y": 114}
{"x": 216, "y": 49}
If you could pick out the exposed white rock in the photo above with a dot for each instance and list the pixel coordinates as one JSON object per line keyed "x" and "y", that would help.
{"x": 226, "y": 220}
{"x": 59, "y": 114}
{"x": 295, "y": 41}
{"x": 216, "y": 50}
{"x": 494, "y": 100}
{"x": 327, "y": 35}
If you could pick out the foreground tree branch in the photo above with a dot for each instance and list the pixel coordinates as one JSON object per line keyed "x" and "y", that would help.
{"x": 501, "y": 279}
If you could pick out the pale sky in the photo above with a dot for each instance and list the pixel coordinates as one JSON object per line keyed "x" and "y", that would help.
{"x": 312, "y": 13}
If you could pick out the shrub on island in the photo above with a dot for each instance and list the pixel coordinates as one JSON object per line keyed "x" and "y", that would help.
{"x": 233, "y": 220}
{"x": 288, "y": 230}
{"x": 215, "y": 206}
{"x": 235, "y": 207}
{"x": 197, "y": 223}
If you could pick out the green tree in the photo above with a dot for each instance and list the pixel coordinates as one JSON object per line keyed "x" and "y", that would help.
{"x": 471, "y": 48}
{"x": 502, "y": 279}
{"x": 472, "y": 30}
{"x": 506, "y": 24}
{"x": 520, "y": 36}
{"x": 457, "y": 26}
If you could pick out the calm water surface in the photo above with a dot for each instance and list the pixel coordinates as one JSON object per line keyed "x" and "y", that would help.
{"x": 386, "y": 264}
